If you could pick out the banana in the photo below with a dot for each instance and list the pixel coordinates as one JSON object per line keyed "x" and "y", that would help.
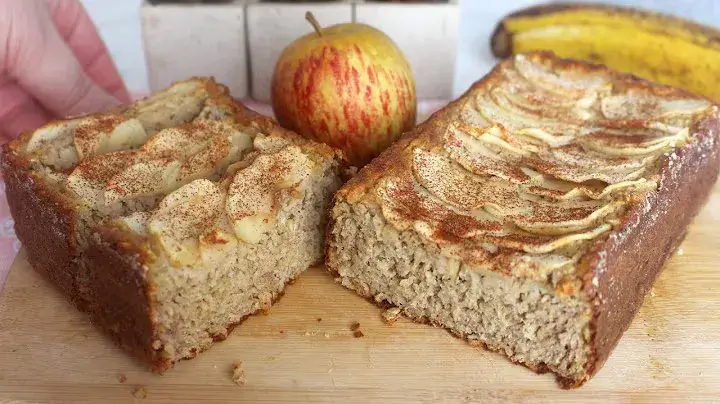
{"x": 653, "y": 46}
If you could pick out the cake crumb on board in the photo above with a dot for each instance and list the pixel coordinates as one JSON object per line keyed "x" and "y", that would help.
{"x": 140, "y": 392}
{"x": 358, "y": 334}
{"x": 391, "y": 315}
{"x": 238, "y": 374}
{"x": 122, "y": 378}
{"x": 354, "y": 326}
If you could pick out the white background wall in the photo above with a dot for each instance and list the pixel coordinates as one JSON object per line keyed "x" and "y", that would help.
{"x": 119, "y": 25}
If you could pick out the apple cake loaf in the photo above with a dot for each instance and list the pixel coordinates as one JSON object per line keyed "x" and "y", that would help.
{"x": 531, "y": 215}
{"x": 170, "y": 220}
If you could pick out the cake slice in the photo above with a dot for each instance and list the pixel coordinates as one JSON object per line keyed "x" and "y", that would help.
{"x": 531, "y": 215}
{"x": 171, "y": 220}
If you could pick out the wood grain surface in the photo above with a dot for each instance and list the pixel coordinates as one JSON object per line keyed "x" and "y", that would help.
{"x": 304, "y": 350}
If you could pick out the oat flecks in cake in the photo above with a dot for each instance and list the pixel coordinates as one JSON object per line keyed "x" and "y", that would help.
{"x": 529, "y": 173}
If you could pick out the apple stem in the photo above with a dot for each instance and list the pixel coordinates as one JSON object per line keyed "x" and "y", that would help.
{"x": 314, "y": 22}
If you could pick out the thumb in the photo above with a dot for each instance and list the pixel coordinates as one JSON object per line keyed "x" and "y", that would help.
{"x": 43, "y": 64}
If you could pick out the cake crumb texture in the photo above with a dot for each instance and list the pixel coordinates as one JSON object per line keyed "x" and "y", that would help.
{"x": 238, "y": 374}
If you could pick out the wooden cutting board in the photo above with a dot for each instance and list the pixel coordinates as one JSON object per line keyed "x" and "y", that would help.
{"x": 304, "y": 350}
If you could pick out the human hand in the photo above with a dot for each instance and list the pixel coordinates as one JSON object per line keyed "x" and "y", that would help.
{"x": 54, "y": 64}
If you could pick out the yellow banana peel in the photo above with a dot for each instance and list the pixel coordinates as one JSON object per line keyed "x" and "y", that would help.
{"x": 661, "y": 48}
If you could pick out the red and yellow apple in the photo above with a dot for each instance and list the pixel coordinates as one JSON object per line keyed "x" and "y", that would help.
{"x": 347, "y": 85}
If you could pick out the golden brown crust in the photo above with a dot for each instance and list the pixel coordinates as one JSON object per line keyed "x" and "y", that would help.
{"x": 626, "y": 264}
{"x": 622, "y": 265}
{"x": 120, "y": 295}
{"x": 45, "y": 221}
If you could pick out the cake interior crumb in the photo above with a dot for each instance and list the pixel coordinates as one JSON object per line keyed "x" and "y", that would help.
{"x": 238, "y": 374}
{"x": 391, "y": 315}
{"x": 140, "y": 392}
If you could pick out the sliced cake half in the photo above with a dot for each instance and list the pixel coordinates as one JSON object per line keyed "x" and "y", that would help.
{"x": 532, "y": 214}
{"x": 171, "y": 220}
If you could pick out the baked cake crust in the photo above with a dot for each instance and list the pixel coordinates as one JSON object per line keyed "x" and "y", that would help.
{"x": 648, "y": 236}
{"x": 617, "y": 267}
